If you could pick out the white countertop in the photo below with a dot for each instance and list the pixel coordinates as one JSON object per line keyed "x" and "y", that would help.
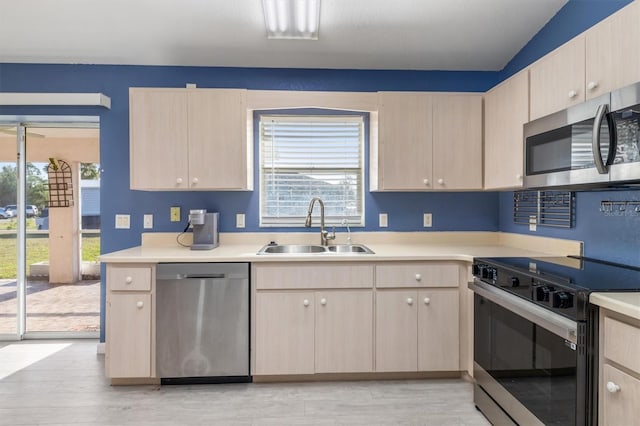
{"x": 624, "y": 303}
{"x": 397, "y": 247}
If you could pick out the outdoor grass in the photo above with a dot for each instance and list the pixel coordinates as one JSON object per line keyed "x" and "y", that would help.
{"x": 38, "y": 251}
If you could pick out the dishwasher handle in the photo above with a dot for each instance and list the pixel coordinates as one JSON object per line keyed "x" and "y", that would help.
{"x": 174, "y": 276}
{"x": 203, "y": 276}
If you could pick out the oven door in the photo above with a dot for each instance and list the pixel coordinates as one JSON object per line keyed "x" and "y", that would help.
{"x": 526, "y": 360}
{"x": 571, "y": 147}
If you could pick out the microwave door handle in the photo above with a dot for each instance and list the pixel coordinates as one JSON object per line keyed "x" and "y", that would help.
{"x": 613, "y": 139}
{"x": 601, "y": 114}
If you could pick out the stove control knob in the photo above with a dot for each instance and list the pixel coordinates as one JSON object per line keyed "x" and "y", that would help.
{"x": 543, "y": 292}
{"x": 484, "y": 271}
{"x": 515, "y": 282}
{"x": 562, "y": 300}
{"x": 476, "y": 269}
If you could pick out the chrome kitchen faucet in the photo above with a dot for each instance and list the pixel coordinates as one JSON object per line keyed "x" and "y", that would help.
{"x": 325, "y": 236}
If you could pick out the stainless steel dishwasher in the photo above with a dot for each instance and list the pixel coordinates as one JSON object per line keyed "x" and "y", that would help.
{"x": 202, "y": 322}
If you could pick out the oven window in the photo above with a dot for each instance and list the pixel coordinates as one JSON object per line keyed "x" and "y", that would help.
{"x": 534, "y": 365}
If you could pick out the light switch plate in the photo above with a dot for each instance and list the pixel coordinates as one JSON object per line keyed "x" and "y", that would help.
{"x": 426, "y": 220}
{"x": 240, "y": 220}
{"x": 533, "y": 222}
{"x": 175, "y": 214}
{"x": 384, "y": 220}
{"x": 148, "y": 221}
{"x": 123, "y": 221}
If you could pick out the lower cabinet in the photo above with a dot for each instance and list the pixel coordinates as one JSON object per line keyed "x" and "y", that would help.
{"x": 314, "y": 332}
{"x": 417, "y": 330}
{"x": 129, "y": 322}
{"x": 619, "y": 392}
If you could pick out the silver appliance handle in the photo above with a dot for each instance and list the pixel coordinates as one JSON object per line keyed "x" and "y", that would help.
{"x": 601, "y": 165}
{"x": 548, "y": 320}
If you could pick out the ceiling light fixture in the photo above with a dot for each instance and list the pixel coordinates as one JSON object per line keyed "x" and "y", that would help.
{"x": 292, "y": 19}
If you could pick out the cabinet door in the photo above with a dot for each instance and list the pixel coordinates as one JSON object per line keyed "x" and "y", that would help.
{"x": 405, "y": 141}
{"x": 457, "y": 142}
{"x": 217, "y": 139}
{"x": 506, "y": 110}
{"x": 396, "y": 330}
{"x": 129, "y": 335}
{"x": 620, "y": 397}
{"x": 158, "y": 139}
{"x": 438, "y": 330}
{"x": 284, "y": 333}
{"x": 344, "y": 332}
{"x": 557, "y": 80}
{"x": 613, "y": 52}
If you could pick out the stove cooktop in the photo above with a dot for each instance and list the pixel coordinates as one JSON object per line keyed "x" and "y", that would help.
{"x": 559, "y": 284}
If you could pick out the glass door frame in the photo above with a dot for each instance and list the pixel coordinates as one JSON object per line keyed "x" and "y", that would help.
{"x": 21, "y": 123}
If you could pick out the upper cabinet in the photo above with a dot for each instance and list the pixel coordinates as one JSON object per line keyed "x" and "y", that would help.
{"x": 557, "y": 80}
{"x": 506, "y": 110}
{"x": 613, "y": 52}
{"x": 428, "y": 141}
{"x": 189, "y": 139}
{"x": 604, "y": 58}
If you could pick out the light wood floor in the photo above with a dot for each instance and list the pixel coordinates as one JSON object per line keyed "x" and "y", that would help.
{"x": 62, "y": 383}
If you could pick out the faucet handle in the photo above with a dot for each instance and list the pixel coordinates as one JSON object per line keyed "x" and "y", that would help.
{"x": 332, "y": 235}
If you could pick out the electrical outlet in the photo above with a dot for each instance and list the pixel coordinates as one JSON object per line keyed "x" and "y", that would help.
{"x": 148, "y": 221}
{"x": 123, "y": 221}
{"x": 533, "y": 222}
{"x": 426, "y": 220}
{"x": 175, "y": 214}
{"x": 240, "y": 220}
{"x": 384, "y": 220}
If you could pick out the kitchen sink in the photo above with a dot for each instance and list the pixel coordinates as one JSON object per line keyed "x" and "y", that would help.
{"x": 315, "y": 249}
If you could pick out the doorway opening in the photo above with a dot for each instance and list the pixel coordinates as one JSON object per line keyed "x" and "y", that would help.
{"x": 50, "y": 184}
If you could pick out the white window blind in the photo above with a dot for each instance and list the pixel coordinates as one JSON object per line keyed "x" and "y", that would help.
{"x": 302, "y": 157}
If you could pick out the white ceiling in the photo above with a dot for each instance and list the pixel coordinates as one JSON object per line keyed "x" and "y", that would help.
{"x": 360, "y": 34}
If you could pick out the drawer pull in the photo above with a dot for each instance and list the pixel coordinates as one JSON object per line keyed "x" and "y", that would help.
{"x": 418, "y": 277}
{"x": 128, "y": 280}
{"x": 409, "y": 301}
{"x": 139, "y": 305}
{"x": 305, "y": 302}
{"x": 612, "y": 387}
{"x": 323, "y": 301}
{"x": 426, "y": 300}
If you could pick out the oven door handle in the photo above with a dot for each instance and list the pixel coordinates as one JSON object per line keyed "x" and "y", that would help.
{"x": 548, "y": 320}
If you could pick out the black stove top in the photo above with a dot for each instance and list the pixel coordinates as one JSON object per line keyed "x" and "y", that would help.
{"x": 560, "y": 284}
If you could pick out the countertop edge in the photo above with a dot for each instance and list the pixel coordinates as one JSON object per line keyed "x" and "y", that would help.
{"x": 623, "y": 303}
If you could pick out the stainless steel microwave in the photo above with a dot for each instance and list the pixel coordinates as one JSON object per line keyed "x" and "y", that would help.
{"x": 594, "y": 144}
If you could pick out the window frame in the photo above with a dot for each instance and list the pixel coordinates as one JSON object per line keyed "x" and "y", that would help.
{"x": 320, "y": 115}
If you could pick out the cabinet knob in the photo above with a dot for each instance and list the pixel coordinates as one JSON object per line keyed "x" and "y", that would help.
{"x": 592, "y": 85}
{"x": 305, "y": 302}
{"x": 572, "y": 94}
{"x": 409, "y": 301}
{"x": 426, "y": 182}
{"x": 179, "y": 181}
{"x": 440, "y": 181}
{"x": 612, "y": 387}
{"x": 194, "y": 180}
{"x": 323, "y": 301}
{"x": 140, "y": 305}
{"x": 426, "y": 300}
{"x": 418, "y": 277}
{"x": 128, "y": 280}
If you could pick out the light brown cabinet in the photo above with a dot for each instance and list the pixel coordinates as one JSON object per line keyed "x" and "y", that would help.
{"x": 506, "y": 110}
{"x": 417, "y": 329}
{"x": 619, "y": 383}
{"x": 306, "y": 322}
{"x": 557, "y": 79}
{"x": 189, "y": 139}
{"x": 613, "y": 52}
{"x": 428, "y": 141}
{"x": 129, "y": 322}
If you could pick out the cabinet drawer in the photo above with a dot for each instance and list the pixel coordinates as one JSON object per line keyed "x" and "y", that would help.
{"x": 129, "y": 278}
{"x": 418, "y": 275}
{"x": 620, "y": 396}
{"x": 317, "y": 275}
{"x": 622, "y": 343}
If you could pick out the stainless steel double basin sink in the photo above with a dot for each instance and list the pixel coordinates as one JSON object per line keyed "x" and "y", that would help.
{"x": 315, "y": 249}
